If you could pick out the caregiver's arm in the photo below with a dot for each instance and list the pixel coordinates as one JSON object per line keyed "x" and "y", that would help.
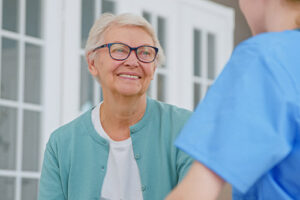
{"x": 199, "y": 183}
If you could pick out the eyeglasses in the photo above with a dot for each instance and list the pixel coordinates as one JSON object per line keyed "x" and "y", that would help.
{"x": 120, "y": 51}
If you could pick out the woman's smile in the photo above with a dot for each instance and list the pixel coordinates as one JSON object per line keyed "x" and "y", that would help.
{"x": 130, "y": 76}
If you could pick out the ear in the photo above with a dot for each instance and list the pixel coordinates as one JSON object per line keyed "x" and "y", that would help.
{"x": 91, "y": 64}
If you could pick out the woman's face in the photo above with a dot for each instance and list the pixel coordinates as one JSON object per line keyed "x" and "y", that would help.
{"x": 129, "y": 77}
{"x": 254, "y": 12}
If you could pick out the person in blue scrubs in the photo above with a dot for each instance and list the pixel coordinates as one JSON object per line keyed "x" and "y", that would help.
{"x": 246, "y": 131}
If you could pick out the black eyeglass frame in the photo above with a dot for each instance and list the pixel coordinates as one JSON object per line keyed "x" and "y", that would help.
{"x": 130, "y": 48}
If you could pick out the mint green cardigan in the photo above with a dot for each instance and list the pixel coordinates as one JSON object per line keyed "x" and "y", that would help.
{"x": 76, "y": 156}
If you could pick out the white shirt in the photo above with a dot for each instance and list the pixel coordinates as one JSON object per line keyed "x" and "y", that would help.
{"x": 122, "y": 179}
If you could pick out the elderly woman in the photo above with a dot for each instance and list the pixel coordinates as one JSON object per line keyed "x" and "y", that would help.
{"x": 123, "y": 147}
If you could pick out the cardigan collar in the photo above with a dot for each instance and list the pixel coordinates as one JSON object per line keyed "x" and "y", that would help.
{"x": 87, "y": 122}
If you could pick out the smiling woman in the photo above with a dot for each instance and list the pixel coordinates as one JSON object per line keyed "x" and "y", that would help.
{"x": 123, "y": 146}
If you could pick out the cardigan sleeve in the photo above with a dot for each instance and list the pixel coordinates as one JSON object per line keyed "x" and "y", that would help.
{"x": 50, "y": 187}
{"x": 184, "y": 162}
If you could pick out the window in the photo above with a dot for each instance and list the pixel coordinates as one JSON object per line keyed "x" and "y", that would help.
{"x": 158, "y": 87}
{"x": 21, "y": 99}
{"x": 204, "y": 48}
{"x": 204, "y": 63}
{"x": 26, "y": 71}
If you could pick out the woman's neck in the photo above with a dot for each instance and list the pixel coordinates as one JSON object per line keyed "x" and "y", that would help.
{"x": 118, "y": 114}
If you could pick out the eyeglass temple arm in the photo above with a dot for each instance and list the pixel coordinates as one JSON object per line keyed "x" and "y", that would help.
{"x": 99, "y": 47}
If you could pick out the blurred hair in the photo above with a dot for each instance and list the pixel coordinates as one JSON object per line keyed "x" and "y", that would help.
{"x": 108, "y": 21}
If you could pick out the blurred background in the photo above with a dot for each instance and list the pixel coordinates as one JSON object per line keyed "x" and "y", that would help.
{"x": 44, "y": 80}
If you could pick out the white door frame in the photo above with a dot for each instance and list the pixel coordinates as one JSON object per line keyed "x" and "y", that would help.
{"x": 52, "y": 74}
{"x": 71, "y": 60}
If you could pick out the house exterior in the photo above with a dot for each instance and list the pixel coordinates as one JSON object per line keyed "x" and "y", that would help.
{"x": 44, "y": 80}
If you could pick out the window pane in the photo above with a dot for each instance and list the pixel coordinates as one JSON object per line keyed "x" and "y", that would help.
{"x": 10, "y": 15}
{"x": 33, "y": 72}
{"x": 197, "y": 52}
{"x": 29, "y": 189}
{"x": 211, "y": 55}
{"x": 9, "y": 69}
{"x": 197, "y": 94}
{"x": 161, "y": 33}
{"x": 87, "y": 19}
{"x": 147, "y": 16}
{"x": 31, "y": 140}
{"x": 86, "y": 86}
{"x": 7, "y": 188}
{"x": 161, "y": 87}
{"x": 108, "y": 6}
{"x": 8, "y": 137}
{"x": 33, "y": 18}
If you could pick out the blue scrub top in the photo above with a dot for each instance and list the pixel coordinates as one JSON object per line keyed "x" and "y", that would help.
{"x": 247, "y": 129}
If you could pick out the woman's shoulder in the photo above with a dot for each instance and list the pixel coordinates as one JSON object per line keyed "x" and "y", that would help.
{"x": 68, "y": 130}
{"x": 168, "y": 109}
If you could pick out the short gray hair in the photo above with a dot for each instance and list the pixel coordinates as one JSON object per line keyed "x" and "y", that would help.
{"x": 108, "y": 20}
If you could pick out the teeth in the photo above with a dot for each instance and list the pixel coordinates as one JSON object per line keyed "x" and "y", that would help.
{"x": 129, "y": 76}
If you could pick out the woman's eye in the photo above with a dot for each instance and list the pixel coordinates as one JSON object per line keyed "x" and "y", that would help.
{"x": 120, "y": 50}
{"x": 146, "y": 53}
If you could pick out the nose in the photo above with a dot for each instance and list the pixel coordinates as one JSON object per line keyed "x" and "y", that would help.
{"x": 132, "y": 60}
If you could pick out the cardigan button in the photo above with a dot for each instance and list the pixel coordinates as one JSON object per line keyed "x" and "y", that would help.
{"x": 102, "y": 168}
{"x": 104, "y": 142}
{"x": 143, "y": 188}
{"x": 137, "y": 156}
